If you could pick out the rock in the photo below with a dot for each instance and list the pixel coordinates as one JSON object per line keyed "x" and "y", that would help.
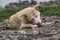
{"x": 39, "y": 39}
{"x": 58, "y": 39}
{"x": 51, "y": 39}
{"x": 53, "y": 32}
{"x": 35, "y": 32}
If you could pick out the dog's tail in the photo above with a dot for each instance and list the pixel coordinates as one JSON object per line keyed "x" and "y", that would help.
{"x": 36, "y": 6}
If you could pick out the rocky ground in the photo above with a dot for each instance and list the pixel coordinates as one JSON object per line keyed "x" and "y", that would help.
{"x": 51, "y": 31}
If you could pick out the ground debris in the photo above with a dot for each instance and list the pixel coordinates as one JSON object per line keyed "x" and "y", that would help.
{"x": 46, "y": 32}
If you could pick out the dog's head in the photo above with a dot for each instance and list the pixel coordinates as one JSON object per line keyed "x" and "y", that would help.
{"x": 34, "y": 17}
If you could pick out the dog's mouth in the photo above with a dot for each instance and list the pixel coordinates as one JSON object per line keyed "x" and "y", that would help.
{"x": 39, "y": 24}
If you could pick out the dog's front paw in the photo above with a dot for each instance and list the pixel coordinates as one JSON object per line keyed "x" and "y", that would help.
{"x": 34, "y": 26}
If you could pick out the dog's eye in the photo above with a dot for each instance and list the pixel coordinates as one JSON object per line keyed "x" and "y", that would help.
{"x": 32, "y": 19}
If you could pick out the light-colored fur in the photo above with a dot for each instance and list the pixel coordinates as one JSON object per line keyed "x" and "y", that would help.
{"x": 17, "y": 21}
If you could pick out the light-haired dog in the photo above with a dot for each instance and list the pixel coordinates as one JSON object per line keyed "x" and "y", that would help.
{"x": 28, "y": 17}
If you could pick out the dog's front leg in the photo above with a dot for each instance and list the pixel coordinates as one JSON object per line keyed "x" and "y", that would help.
{"x": 28, "y": 26}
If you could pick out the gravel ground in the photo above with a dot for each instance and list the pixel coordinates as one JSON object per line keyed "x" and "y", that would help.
{"x": 46, "y": 32}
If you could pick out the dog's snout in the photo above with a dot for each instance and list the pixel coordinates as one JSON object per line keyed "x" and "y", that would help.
{"x": 39, "y": 24}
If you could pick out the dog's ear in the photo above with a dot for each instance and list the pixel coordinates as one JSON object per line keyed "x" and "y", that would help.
{"x": 36, "y": 6}
{"x": 25, "y": 16}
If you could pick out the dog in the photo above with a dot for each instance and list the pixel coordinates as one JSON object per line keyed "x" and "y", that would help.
{"x": 28, "y": 17}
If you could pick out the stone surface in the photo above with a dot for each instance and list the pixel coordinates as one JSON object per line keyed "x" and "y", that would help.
{"x": 50, "y": 31}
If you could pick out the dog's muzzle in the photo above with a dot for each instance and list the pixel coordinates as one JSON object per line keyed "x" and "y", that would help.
{"x": 39, "y": 24}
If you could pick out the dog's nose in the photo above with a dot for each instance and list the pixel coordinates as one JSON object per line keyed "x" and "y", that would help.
{"x": 39, "y": 24}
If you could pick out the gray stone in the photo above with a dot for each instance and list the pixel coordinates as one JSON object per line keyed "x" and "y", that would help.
{"x": 46, "y": 32}
{"x": 35, "y": 32}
